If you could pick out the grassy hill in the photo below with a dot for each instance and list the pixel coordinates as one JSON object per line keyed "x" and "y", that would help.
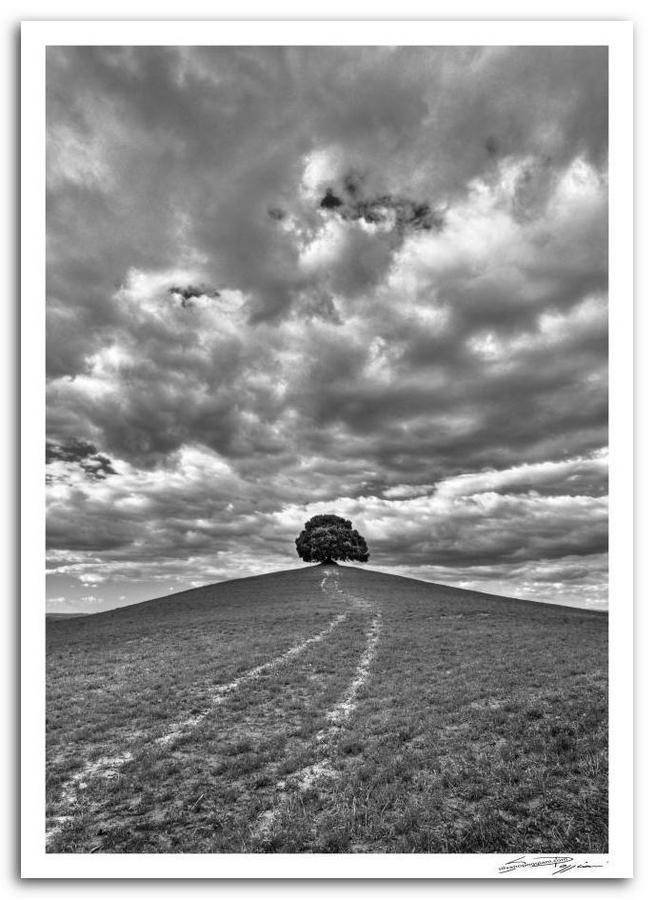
{"x": 328, "y": 709}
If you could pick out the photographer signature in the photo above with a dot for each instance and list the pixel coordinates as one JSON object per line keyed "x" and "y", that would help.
{"x": 559, "y": 864}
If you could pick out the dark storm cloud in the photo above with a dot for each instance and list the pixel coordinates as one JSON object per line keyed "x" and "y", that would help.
{"x": 94, "y": 465}
{"x": 188, "y": 294}
{"x": 280, "y": 278}
{"x": 399, "y": 212}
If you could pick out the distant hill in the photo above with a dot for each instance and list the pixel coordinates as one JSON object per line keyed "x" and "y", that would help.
{"x": 65, "y": 615}
{"x": 328, "y": 709}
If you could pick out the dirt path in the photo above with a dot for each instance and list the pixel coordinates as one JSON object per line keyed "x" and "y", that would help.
{"x": 108, "y": 767}
{"x": 304, "y": 779}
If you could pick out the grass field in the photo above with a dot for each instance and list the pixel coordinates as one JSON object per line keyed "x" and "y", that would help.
{"x": 328, "y": 709}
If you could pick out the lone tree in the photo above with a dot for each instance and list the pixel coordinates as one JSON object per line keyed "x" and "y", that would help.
{"x": 328, "y": 538}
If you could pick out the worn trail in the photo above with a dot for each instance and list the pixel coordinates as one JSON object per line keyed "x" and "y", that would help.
{"x": 108, "y": 767}
{"x": 304, "y": 779}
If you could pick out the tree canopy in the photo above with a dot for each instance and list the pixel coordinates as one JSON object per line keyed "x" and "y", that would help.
{"x": 327, "y": 538}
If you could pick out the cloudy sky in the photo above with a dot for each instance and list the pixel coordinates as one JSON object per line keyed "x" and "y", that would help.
{"x": 370, "y": 281}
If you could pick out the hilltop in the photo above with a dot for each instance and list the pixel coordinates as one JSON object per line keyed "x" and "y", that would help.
{"x": 328, "y": 709}
{"x": 256, "y": 589}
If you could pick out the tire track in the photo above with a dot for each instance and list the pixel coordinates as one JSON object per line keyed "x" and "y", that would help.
{"x": 342, "y": 712}
{"x": 108, "y": 767}
{"x": 303, "y": 779}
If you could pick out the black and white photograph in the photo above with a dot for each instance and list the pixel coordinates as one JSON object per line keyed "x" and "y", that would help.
{"x": 326, "y": 334}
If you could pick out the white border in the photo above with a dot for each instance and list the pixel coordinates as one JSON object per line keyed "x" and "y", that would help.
{"x": 621, "y": 449}
{"x": 361, "y": 32}
{"x": 35, "y": 37}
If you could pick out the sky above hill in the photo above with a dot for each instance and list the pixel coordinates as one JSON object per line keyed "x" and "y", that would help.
{"x": 369, "y": 281}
